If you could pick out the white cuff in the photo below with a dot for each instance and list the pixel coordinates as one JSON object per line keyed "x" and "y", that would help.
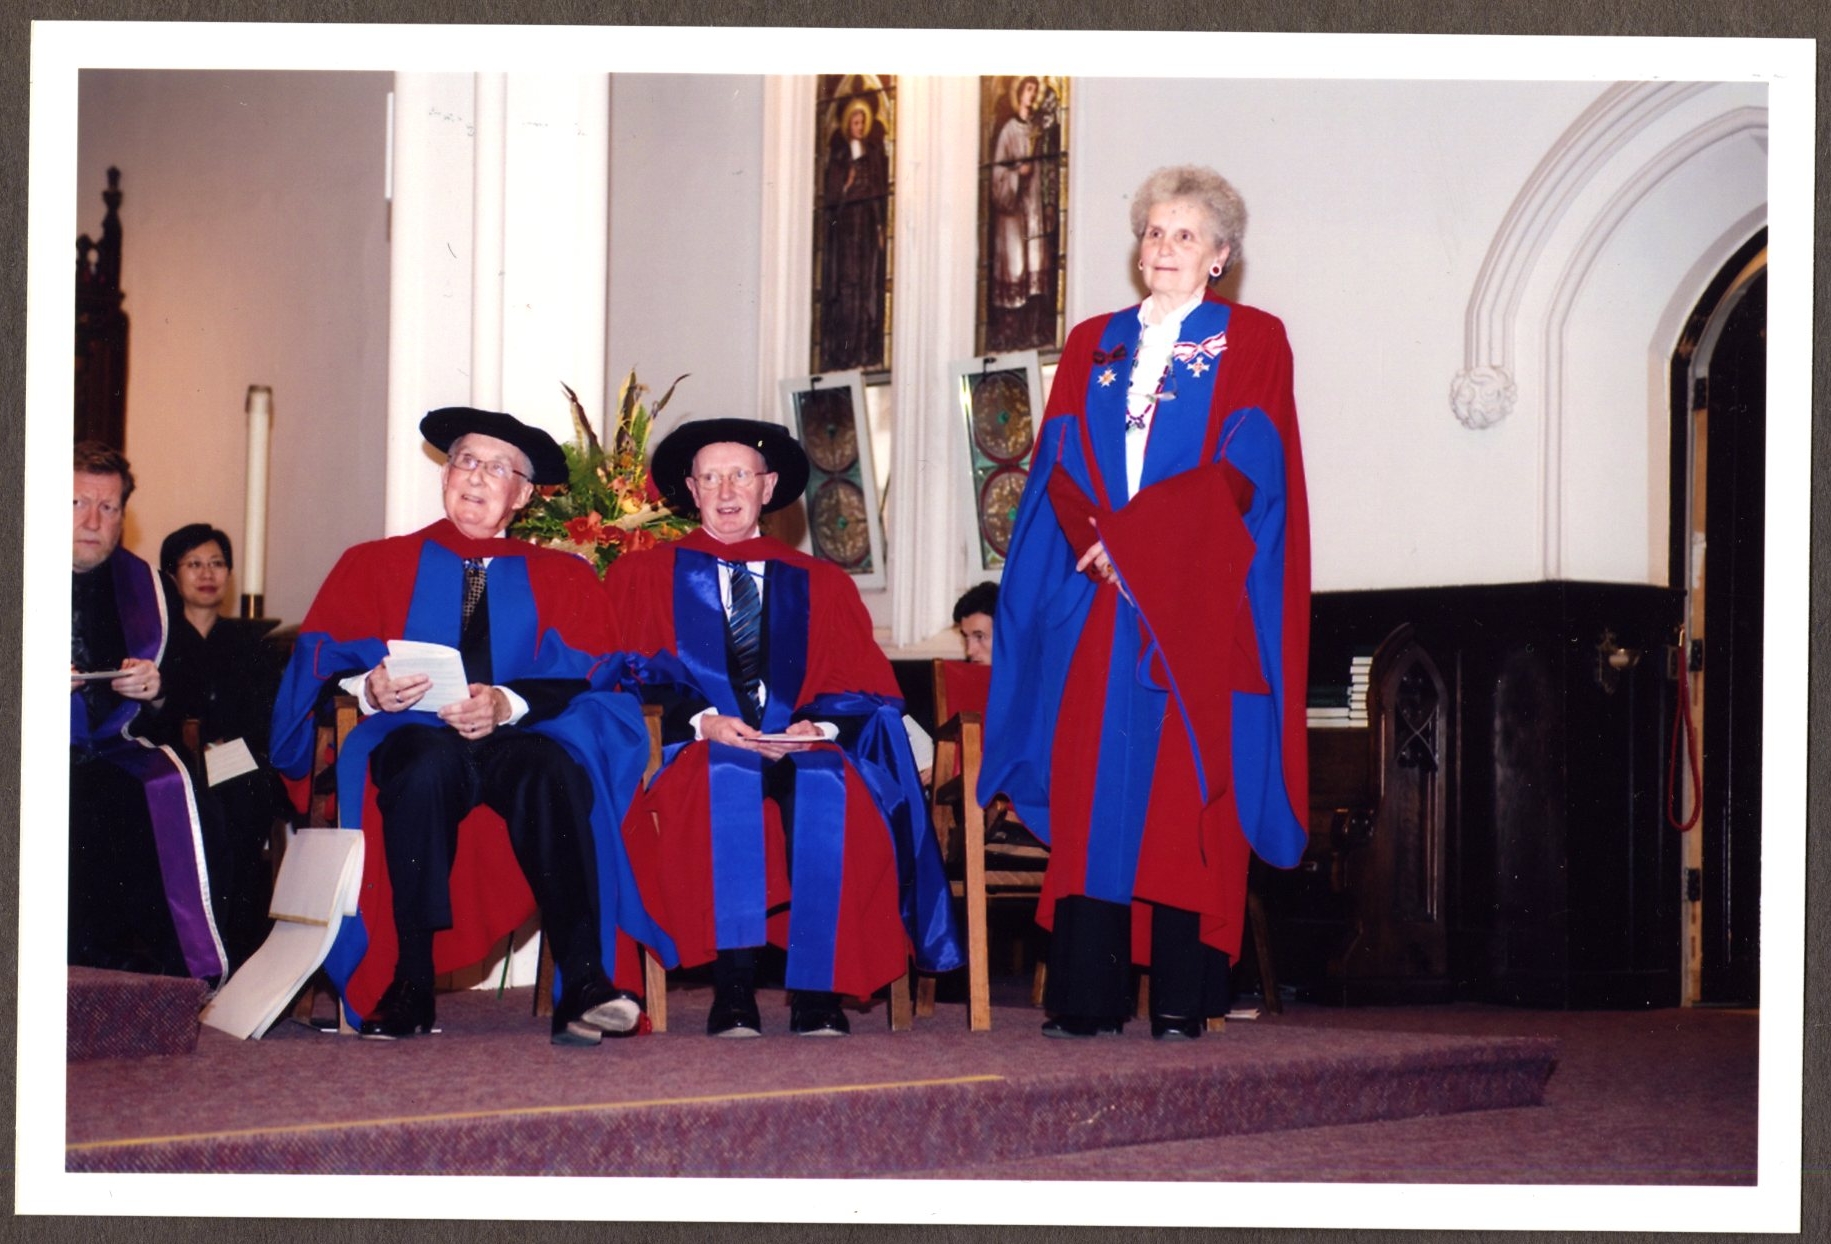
{"x": 518, "y": 707}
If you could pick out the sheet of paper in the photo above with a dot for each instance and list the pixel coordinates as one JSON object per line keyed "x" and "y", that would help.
{"x": 319, "y": 883}
{"x": 222, "y": 761}
{"x": 443, "y": 663}
{"x": 98, "y": 675}
{"x": 919, "y": 742}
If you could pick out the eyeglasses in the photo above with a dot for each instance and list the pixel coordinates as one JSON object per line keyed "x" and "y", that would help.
{"x": 107, "y": 509}
{"x": 740, "y": 477}
{"x": 216, "y": 565}
{"x": 496, "y": 470}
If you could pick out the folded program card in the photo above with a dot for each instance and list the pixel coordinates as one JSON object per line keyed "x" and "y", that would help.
{"x": 441, "y": 662}
{"x": 222, "y": 761}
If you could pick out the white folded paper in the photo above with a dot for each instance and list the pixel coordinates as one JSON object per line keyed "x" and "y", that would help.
{"x": 319, "y": 882}
{"x": 222, "y": 761}
{"x": 443, "y": 663}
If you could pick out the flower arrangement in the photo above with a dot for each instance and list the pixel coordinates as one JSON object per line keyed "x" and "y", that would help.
{"x": 609, "y": 506}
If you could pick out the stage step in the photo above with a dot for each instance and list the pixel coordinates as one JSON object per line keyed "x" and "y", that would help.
{"x": 490, "y": 1096}
{"x": 130, "y": 1015}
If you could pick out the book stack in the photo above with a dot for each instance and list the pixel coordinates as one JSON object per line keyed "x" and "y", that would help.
{"x": 1343, "y": 706}
{"x": 320, "y": 879}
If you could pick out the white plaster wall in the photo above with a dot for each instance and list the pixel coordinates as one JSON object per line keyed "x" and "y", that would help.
{"x": 1370, "y": 208}
{"x": 686, "y": 199}
{"x": 1616, "y": 416}
{"x": 255, "y": 253}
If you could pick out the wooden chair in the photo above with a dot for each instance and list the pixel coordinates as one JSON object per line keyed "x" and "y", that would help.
{"x": 987, "y": 870}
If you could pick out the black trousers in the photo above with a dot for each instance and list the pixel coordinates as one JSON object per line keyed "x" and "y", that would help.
{"x": 428, "y": 778}
{"x": 1090, "y": 961}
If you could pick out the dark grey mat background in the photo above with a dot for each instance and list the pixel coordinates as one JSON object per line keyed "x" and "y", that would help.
{"x": 1794, "y": 19}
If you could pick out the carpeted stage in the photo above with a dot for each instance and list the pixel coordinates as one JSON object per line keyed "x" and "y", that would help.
{"x": 1435, "y": 1094}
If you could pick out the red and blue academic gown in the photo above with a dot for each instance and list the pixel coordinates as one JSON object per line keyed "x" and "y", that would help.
{"x": 546, "y": 620}
{"x": 707, "y": 847}
{"x": 171, "y": 801}
{"x": 1154, "y": 736}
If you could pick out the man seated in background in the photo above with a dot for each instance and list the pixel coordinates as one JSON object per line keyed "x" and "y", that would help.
{"x": 140, "y": 894}
{"x": 789, "y": 811}
{"x": 525, "y": 738}
{"x": 969, "y": 683}
{"x": 973, "y": 619}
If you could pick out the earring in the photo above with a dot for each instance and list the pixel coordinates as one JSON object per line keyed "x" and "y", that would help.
{"x": 1215, "y": 271}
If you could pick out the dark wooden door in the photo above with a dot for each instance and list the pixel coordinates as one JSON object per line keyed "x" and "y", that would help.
{"x": 1735, "y": 489}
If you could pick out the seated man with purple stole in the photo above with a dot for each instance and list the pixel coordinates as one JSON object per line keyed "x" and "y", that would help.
{"x": 140, "y": 897}
{"x": 531, "y": 748}
{"x": 788, "y": 810}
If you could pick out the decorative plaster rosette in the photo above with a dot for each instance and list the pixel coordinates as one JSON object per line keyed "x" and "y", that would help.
{"x": 1482, "y": 396}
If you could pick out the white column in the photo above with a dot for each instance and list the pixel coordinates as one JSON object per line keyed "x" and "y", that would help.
{"x": 499, "y": 260}
{"x": 936, "y": 246}
{"x": 556, "y": 247}
{"x": 784, "y": 278}
{"x": 488, "y": 235}
{"x": 429, "y": 280}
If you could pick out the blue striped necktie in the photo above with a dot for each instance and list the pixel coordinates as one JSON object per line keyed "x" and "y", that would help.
{"x": 745, "y": 622}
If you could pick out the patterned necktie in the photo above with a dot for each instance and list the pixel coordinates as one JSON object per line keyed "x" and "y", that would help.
{"x": 745, "y": 623}
{"x": 473, "y": 589}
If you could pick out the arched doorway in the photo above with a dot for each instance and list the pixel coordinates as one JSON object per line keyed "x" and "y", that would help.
{"x": 1719, "y": 423}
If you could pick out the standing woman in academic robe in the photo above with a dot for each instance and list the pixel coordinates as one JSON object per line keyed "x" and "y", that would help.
{"x": 1147, "y": 706}
{"x": 216, "y": 674}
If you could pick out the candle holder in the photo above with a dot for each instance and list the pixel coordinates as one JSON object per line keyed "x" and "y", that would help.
{"x": 253, "y": 606}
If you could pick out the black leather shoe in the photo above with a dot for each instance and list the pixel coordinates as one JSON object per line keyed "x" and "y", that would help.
{"x": 593, "y": 1009}
{"x": 817, "y": 1014}
{"x": 1175, "y": 1028}
{"x": 734, "y": 1013}
{"x": 1078, "y": 1026}
{"x": 403, "y": 1010}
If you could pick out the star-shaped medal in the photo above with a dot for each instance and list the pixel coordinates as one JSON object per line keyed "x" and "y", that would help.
{"x": 1107, "y": 377}
{"x": 1197, "y": 365}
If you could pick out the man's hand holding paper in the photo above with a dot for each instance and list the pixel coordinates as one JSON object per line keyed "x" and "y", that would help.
{"x": 418, "y": 675}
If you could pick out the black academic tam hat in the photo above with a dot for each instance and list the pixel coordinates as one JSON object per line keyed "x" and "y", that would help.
{"x": 782, "y": 454}
{"x": 444, "y": 426}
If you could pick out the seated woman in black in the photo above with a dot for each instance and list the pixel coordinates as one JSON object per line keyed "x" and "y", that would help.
{"x": 215, "y": 672}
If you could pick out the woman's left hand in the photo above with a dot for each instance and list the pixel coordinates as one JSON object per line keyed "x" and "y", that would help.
{"x": 1095, "y": 557}
{"x": 1098, "y": 566}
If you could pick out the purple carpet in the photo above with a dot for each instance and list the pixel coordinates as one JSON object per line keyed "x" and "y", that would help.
{"x": 489, "y": 1095}
{"x": 128, "y": 1015}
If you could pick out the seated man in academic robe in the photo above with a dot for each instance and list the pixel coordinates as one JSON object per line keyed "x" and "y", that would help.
{"x": 789, "y": 810}
{"x": 140, "y": 893}
{"x": 527, "y": 744}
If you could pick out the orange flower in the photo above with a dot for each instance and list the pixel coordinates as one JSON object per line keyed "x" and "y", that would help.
{"x": 588, "y": 529}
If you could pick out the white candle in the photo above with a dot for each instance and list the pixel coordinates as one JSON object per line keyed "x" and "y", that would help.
{"x": 253, "y": 568}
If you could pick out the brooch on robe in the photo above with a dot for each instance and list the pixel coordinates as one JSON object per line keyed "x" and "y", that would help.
{"x": 1195, "y": 355}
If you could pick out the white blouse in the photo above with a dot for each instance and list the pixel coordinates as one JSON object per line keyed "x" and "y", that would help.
{"x": 1148, "y": 368}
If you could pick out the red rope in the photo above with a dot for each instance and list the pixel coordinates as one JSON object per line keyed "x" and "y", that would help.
{"x": 1682, "y": 728}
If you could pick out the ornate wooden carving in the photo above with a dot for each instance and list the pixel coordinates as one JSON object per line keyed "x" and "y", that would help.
{"x": 101, "y": 329}
{"x": 1390, "y": 854}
